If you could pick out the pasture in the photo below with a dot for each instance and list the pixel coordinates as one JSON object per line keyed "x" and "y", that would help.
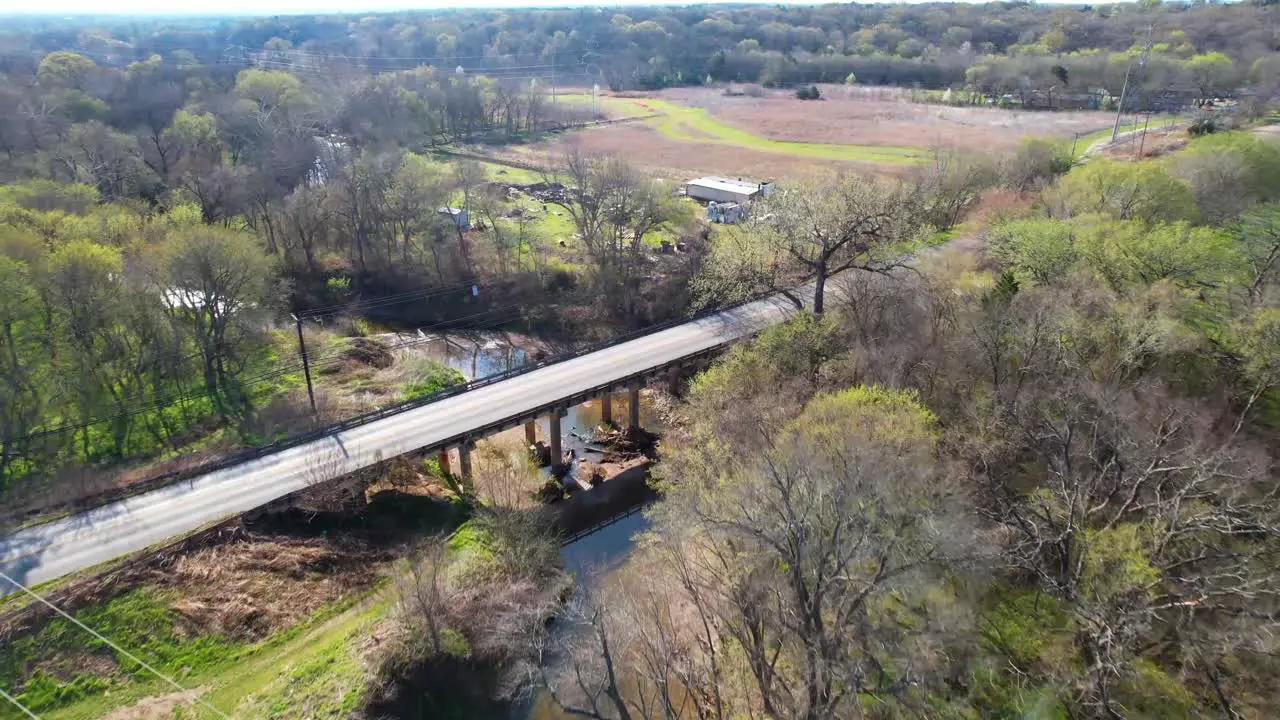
{"x": 681, "y": 132}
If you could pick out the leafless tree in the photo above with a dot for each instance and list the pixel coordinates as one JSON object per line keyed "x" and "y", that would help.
{"x": 951, "y": 183}
{"x": 613, "y": 207}
{"x": 427, "y": 602}
{"x": 837, "y": 224}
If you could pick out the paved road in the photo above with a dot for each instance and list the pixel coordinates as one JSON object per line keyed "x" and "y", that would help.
{"x": 54, "y": 549}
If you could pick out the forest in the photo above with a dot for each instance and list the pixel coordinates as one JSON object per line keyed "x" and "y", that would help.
{"x": 1031, "y": 476}
{"x": 1197, "y": 49}
{"x": 175, "y": 188}
{"x": 1036, "y": 484}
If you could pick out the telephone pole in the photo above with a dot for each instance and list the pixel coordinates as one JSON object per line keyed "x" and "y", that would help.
{"x": 1124, "y": 89}
{"x": 306, "y": 366}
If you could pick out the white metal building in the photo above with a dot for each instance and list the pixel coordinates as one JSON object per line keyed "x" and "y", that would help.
{"x": 721, "y": 189}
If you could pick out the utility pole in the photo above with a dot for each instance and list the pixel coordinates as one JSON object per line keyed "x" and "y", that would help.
{"x": 1124, "y": 89}
{"x": 306, "y": 365}
{"x": 1143, "y": 143}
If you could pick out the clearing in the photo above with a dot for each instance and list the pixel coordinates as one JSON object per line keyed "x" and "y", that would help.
{"x": 680, "y": 132}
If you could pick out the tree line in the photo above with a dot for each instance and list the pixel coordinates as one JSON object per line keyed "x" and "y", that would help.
{"x": 1005, "y": 45}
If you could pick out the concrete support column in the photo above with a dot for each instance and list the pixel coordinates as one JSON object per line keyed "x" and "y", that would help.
{"x": 673, "y": 380}
{"x": 464, "y": 459}
{"x": 530, "y": 433}
{"x": 606, "y": 409}
{"x": 557, "y": 454}
{"x": 444, "y": 461}
{"x": 633, "y": 398}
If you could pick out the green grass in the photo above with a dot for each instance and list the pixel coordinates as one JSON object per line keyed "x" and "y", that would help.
{"x": 430, "y": 377}
{"x": 141, "y": 622}
{"x": 696, "y": 125}
{"x": 1083, "y": 142}
{"x": 308, "y": 673}
{"x": 311, "y": 670}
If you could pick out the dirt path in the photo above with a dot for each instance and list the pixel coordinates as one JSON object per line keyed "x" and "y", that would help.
{"x": 161, "y": 707}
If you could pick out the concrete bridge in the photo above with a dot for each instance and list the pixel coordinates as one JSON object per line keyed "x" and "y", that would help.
{"x": 51, "y": 550}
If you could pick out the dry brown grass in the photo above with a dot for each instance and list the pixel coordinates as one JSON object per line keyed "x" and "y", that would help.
{"x": 163, "y": 707}
{"x": 251, "y": 587}
{"x": 674, "y": 159}
{"x": 881, "y": 116}
{"x": 1157, "y": 143}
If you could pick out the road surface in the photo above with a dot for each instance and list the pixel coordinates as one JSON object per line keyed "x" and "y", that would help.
{"x": 51, "y": 550}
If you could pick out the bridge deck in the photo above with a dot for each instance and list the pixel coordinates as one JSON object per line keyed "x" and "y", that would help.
{"x": 54, "y": 549}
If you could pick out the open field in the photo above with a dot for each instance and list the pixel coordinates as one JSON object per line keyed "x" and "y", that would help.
{"x": 883, "y": 117}
{"x": 703, "y": 131}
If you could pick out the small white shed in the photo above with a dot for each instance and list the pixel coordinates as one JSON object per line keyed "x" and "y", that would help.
{"x": 722, "y": 189}
{"x": 458, "y": 216}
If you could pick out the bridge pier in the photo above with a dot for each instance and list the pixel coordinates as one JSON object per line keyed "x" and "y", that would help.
{"x": 674, "y": 376}
{"x": 464, "y": 459}
{"x": 530, "y": 433}
{"x": 606, "y": 409}
{"x": 633, "y": 399}
{"x": 557, "y": 454}
{"x": 444, "y": 461}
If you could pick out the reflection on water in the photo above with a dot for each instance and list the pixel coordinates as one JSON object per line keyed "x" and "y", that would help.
{"x": 600, "y": 553}
{"x": 482, "y": 355}
{"x": 477, "y": 356}
{"x": 590, "y": 560}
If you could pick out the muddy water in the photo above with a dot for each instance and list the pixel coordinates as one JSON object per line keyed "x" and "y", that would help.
{"x": 484, "y": 354}
{"x": 590, "y": 559}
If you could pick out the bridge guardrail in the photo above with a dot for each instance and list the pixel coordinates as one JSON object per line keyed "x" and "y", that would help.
{"x": 254, "y": 453}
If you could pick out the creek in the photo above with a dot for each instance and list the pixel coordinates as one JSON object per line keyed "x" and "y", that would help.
{"x": 589, "y": 559}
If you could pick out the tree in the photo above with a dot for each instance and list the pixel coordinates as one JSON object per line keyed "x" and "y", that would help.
{"x": 1258, "y": 238}
{"x": 1229, "y": 172}
{"x": 1212, "y": 73}
{"x": 1035, "y": 164}
{"x": 417, "y": 191}
{"x": 1110, "y": 534}
{"x": 614, "y": 207}
{"x": 1131, "y": 253}
{"x": 1125, "y": 191}
{"x": 842, "y": 223}
{"x": 272, "y": 92}
{"x": 65, "y": 69}
{"x": 22, "y": 382}
{"x": 1040, "y": 249}
{"x": 799, "y": 541}
{"x": 951, "y": 184}
{"x": 218, "y": 285}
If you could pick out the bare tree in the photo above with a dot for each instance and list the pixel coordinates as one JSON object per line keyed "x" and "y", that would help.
{"x": 613, "y": 207}
{"x": 834, "y": 509}
{"x": 426, "y": 600}
{"x": 843, "y": 223}
{"x": 951, "y": 183}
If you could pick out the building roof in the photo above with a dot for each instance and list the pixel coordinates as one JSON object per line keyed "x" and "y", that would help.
{"x": 721, "y": 183}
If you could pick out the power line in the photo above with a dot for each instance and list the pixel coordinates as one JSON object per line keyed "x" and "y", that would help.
{"x": 398, "y": 297}
{"x": 114, "y": 646}
{"x": 18, "y": 705}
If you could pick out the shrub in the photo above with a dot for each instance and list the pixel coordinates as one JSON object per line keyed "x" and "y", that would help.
{"x": 1203, "y": 124}
{"x": 809, "y": 93}
{"x": 1035, "y": 163}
